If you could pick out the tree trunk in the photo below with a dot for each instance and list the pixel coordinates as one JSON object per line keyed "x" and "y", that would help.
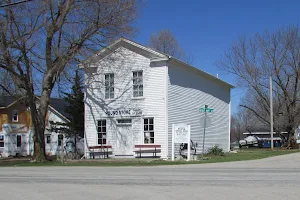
{"x": 39, "y": 109}
{"x": 38, "y": 127}
{"x": 291, "y": 142}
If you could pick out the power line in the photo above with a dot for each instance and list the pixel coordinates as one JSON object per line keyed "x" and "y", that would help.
{"x": 14, "y": 3}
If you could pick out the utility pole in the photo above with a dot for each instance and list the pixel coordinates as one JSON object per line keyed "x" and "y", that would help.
{"x": 271, "y": 112}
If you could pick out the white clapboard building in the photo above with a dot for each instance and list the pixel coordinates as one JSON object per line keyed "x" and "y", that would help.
{"x": 133, "y": 95}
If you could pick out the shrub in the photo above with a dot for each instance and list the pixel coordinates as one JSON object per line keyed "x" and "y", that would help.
{"x": 215, "y": 151}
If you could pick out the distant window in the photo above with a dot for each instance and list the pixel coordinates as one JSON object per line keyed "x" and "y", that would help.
{"x": 109, "y": 86}
{"x": 138, "y": 84}
{"x": 48, "y": 139}
{"x": 1, "y": 140}
{"x": 60, "y": 139}
{"x": 148, "y": 130}
{"x": 102, "y": 132}
{"x": 19, "y": 140}
{"x": 15, "y": 116}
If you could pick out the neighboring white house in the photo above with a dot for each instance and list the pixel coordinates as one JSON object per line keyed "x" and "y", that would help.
{"x": 134, "y": 94}
{"x": 16, "y": 135}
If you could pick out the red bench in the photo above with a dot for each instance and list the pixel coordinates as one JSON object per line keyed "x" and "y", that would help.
{"x": 104, "y": 150}
{"x": 147, "y": 148}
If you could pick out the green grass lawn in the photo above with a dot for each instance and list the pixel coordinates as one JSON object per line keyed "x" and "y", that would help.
{"x": 244, "y": 154}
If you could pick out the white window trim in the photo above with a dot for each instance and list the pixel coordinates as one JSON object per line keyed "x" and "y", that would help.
{"x": 105, "y": 132}
{"x": 109, "y": 99}
{"x": 13, "y": 114}
{"x": 3, "y": 141}
{"x": 123, "y": 124}
{"x": 17, "y": 141}
{"x": 50, "y": 138}
{"x": 142, "y": 130}
{"x": 138, "y": 97}
{"x": 62, "y": 141}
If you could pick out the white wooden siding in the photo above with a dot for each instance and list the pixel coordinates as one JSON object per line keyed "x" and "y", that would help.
{"x": 27, "y": 144}
{"x": 187, "y": 92}
{"x": 122, "y": 63}
{"x": 53, "y": 148}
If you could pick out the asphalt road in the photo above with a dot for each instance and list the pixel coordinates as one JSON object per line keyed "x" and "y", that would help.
{"x": 273, "y": 178}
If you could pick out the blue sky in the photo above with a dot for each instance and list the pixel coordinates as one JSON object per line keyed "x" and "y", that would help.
{"x": 205, "y": 29}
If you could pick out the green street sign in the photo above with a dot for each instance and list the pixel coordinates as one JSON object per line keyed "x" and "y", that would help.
{"x": 206, "y": 109}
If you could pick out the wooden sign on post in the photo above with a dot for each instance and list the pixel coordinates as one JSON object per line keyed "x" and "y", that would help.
{"x": 181, "y": 133}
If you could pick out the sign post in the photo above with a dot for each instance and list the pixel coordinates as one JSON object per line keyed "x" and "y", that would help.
{"x": 181, "y": 133}
{"x": 205, "y": 110}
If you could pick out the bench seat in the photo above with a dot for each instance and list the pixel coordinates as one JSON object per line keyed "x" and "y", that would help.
{"x": 103, "y": 150}
{"x": 146, "y": 149}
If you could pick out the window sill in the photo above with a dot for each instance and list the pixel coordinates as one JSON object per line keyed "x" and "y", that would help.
{"x": 137, "y": 98}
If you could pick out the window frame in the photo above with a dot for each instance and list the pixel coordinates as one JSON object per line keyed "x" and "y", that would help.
{"x": 2, "y": 141}
{"x": 145, "y": 131}
{"x": 110, "y": 86}
{"x": 48, "y": 141}
{"x": 102, "y": 132}
{"x": 20, "y": 144}
{"x": 58, "y": 139}
{"x": 124, "y": 123}
{"x": 13, "y": 116}
{"x": 136, "y": 85}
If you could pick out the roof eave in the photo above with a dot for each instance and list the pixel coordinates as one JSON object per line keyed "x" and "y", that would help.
{"x": 81, "y": 65}
{"x": 202, "y": 72}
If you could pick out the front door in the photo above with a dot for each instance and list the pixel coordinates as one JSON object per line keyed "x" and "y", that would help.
{"x": 124, "y": 141}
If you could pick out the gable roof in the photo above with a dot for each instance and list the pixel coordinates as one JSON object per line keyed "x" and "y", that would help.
{"x": 122, "y": 42}
{"x": 55, "y": 104}
{"x": 6, "y": 101}
{"x": 59, "y": 105}
{"x": 156, "y": 56}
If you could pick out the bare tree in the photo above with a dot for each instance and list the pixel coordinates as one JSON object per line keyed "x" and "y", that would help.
{"x": 41, "y": 39}
{"x": 254, "y": 59}
{"x": 165, "y": 42}
{"x": 243, "y": 121}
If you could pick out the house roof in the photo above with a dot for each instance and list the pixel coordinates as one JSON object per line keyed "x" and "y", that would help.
{"x": 56, "y": 104}
{"x": 59, "y": 105}
{"x": 5, "y": 101}
{"x": 157, "y": 56}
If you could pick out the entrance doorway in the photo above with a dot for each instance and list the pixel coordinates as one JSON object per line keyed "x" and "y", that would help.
{"x": 124, "y": 141}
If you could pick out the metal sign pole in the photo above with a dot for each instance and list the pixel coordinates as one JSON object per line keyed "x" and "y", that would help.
{"x": 204, "y": 132}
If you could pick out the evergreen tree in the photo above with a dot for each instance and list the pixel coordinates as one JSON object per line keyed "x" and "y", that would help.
{"x": 74, "y": 111}
{"x": 75, "y": 107}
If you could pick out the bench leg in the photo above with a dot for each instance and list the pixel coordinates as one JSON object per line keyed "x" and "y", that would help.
{"x": 140, "y": 153}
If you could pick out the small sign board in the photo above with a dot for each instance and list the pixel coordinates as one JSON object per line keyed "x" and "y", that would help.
{"x": 181, "y": 133}
{"x": 206, "y": 110}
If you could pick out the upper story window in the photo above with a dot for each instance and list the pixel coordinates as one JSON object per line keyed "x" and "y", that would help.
{"x": 138, "y": 84}
{"x": 109, "y": 86}
{"x": 15, "y": 116}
